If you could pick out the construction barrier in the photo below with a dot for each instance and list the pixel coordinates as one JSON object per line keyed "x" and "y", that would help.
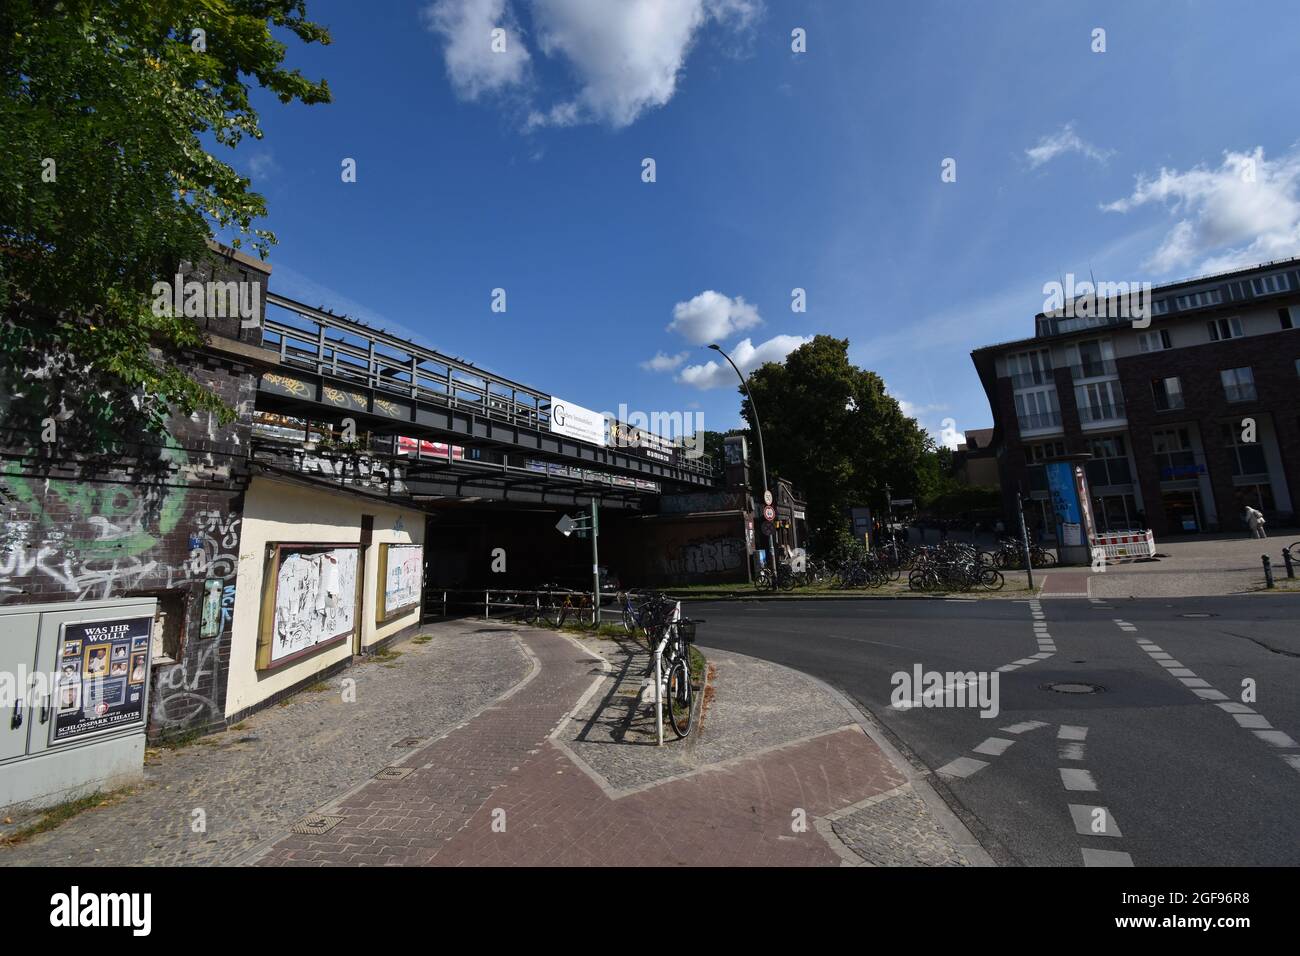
{"x": 1125, "y": 545}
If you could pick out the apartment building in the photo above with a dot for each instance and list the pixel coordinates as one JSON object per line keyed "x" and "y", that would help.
{"x": 1187, "y": 420}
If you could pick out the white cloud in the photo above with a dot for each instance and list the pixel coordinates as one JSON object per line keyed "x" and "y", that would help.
{"x": 626, "y": 57}
{"x": 1227, "y": 220}
{"x": 712, "y": 316}
{"x": 718, "y": 374}
{"x": 664, "y": 363}
{"x": 949, "y": 436}
{"x": 1064, "y": 140}
{"x": 262, "y": 165}
{"x": 466, "y": 26}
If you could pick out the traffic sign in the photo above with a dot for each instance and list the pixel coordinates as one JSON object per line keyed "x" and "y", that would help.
{"x": 768, "y": 530}
{"x": 767, "y": 497}
{"x": 565, "y": 526}
{"x": 769, "y": 513}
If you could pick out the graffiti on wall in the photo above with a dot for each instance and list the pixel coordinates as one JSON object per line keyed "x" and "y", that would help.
{"x": 705, "y": 556}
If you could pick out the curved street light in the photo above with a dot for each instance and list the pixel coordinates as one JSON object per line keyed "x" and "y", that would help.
{"x": 762, "y": 458}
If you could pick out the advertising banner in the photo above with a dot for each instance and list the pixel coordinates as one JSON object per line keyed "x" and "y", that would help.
{"x": 401, "y": 577}
{"x": 1065, "y": 502}
{"x": 574, "y": 421}
{"x": 103, "y": 670}
{"x": 314, "y": 600}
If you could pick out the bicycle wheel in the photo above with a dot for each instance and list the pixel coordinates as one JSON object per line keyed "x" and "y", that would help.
{"x": 629, "y": 619}
{"x": 680, "y": 698}
{"x": 553, "y": 609}
{"x": 991, "y": 579}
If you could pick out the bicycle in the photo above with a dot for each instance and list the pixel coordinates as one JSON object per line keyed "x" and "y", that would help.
{"x": 555, "y": 612}
{"x": 672, "y": 652}
{"x": 634, "y": 613}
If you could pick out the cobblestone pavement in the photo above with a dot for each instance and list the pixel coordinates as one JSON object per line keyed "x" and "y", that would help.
{"x": 1203, "y": 566}
{"x": 896, "y": 829}
{"x": 255, "y": 782}
{"x": 774, "y": 759}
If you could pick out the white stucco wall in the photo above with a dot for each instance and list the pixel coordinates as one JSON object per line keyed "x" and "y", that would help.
{"x": 276, "y": 511}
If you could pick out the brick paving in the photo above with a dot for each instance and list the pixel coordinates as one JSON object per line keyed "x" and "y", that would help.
{"x": 499, "y": 791}
{"x": 253, "y": 783}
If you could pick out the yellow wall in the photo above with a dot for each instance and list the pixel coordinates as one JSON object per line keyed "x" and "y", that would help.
{"x": 277, "y": 511}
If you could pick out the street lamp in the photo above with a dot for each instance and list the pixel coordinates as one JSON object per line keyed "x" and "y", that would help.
{"x": 762, "y": 458}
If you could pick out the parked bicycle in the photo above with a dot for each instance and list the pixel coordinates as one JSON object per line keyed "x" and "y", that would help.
{"x": 670, "y": 637}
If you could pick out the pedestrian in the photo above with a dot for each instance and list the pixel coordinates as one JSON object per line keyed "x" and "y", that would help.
{"x": 1255, "y": 522}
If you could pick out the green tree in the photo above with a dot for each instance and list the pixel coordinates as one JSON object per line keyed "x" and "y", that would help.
{"x": 107, "y": 112}
{"x": 830, "y": 428}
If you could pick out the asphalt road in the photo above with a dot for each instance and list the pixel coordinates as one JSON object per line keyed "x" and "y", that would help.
{"x": 1181, "y": 779}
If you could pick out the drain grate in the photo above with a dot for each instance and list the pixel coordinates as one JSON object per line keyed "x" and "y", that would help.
{"x": 394, "y": 773}
{"x": 316, "y": 823}
{"x": 1074, "y": 687}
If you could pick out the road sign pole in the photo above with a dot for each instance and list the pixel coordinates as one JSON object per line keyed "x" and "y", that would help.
{"x": 595, "y": 564}
{"x": 1024, "y": 541}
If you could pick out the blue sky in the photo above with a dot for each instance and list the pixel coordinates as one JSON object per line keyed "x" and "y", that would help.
{"x": 1173, "y": 152}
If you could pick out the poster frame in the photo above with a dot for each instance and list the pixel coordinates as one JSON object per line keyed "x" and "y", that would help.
{"x": 270, "y": 580}
{"x": 55, "y": 740}
{"x": 383, "y": 614}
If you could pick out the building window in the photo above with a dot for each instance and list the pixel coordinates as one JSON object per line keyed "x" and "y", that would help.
{"x": 1160, "y": 307}
{"x": 1199, "y": 300}
{"x": 1238, "y": 384}
{"x": 1247, "y": 457}
{"x": 1174, "y": 455}
{"x": 1155, "y": 341}
{"x": 1168, "y": 393}
{"x": 1100, "y": 401}
{"x": 1043, "y": 450}
{"x": 1109, "y": 464}
{"x": 1287, "y": 316}
{"x": 1268, "y": 285}
{"x": 1038, "y": 409}
{"x": 1221, "y": 329}
{"x": 1030, "y": 368}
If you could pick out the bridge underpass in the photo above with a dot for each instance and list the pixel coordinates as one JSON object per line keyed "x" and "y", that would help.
{"x": 476, "y": 452}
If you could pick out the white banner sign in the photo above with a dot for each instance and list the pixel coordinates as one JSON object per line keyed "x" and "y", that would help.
{"x": 574, "y": 421}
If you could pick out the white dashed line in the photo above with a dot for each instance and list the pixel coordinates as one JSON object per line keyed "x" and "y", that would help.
{"x": 1068, "y": 732}
{"x": 1105, "y": 858}
{"x": 1093, "y": 821}
{"x": 1074, "y": 778}
{"x": 1276, "y": 737}
{"x": 1023, "y": 726}
{"x": 1070, "y": 751}
{"x": 1252, "y": 721}
{"x": 962, "y": 767}
{"x": 994, "y": 746}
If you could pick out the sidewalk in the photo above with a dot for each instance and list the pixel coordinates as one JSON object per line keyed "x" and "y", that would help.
{"x": 489, "y": 744}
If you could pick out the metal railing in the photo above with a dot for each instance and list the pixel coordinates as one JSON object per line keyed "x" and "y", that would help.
{"x": 1039, "y": 420}
{"x": 1094, "y": 368}
{"x": 327, "y": 344}
{"x": 518, "y": 603}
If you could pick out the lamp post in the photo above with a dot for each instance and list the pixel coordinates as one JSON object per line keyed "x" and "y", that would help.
{"x": 762, "y": 458}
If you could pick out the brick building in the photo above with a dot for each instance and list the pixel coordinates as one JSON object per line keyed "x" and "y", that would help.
{"x": 1188, "y": 420}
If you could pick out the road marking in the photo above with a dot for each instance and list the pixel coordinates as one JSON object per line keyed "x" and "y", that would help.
{"x": 1074, "y": 778}
{"x": 1252, "y": 721}
{"x": 1023, "y": 726}
{"x": 1275, "y": 737}
{"x": 994, "y": 746}
{"x": 1070, "y": 751}
{"x": 1008, "y": 667}
{"x": 962, "y": 767}
{"x": 1068, "y": 732}
{"x": 1106, "y": 858}
{"x": 1194, "y": 682}
{"x": 1024, "y": 661}
{"x": 1085, "y": 816}
{"x": 1235, "y": 708}
{"x": 1160, "y": 655}
{"x": 1044, "y": 655}
{"x": 1181, "y": 672}
{"x": 1293, "y": 760}
{"x": 1209, "y": 693}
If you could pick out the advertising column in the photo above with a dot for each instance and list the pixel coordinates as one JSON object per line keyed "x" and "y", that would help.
{"x": 1068, "y": 486}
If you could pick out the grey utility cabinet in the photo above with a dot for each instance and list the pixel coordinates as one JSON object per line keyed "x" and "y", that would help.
{"x": 74, "y": 697}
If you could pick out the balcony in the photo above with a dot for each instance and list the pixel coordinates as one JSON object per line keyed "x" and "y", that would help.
{"x": 1039, "y": 421}
{"x": 1042, "y": 376}
{"x": 1095, "y": 368}
{"x": 1105, "y": 412}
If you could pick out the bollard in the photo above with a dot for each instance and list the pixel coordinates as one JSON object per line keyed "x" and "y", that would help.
{"x": 1268, "y": 572}
{"x": 1290, "y": 565}
{"x": 487, "y": 608}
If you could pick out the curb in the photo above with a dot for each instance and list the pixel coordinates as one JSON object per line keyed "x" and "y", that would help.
{"x": 946, "y": 596}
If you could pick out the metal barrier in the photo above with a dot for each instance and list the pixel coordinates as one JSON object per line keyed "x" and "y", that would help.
{"x": 517, "y": 602}
{"x": 1125, "y": 545}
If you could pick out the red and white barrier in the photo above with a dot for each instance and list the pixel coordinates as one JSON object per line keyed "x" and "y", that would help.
{"x": 1126, "y": 545}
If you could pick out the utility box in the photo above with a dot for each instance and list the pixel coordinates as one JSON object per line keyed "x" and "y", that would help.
{"x": 74, "y": 698}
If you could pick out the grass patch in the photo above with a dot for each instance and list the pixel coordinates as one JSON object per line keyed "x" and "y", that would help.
{"x": 177, "y": 739}
{"x": 239, "y": 726}
{"x": 422, "y": 639}
{"x": 63, "y": 812}
{"x": 318, "y": 688}
{"x": 385, "y": 655}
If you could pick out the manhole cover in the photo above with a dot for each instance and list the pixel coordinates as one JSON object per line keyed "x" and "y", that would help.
{"x": 1075, "y": 688}
{"x": 316, "y": 823}
{"x": 394, "y": 773}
